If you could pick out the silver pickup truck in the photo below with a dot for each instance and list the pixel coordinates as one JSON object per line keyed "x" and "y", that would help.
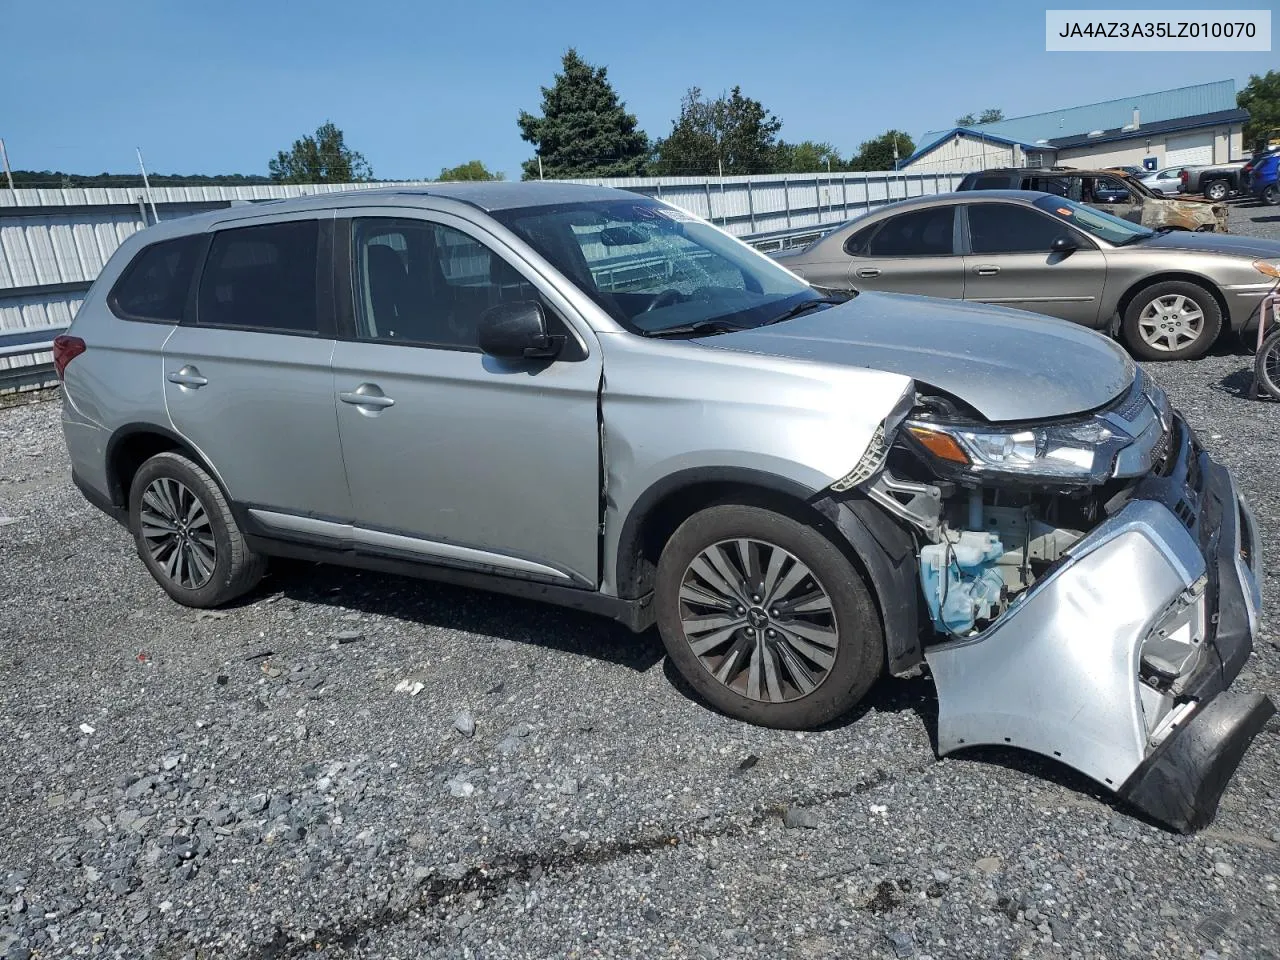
{"x": 1217, "y": 181}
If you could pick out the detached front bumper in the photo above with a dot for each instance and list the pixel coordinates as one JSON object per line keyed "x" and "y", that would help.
{"x": 1117, "y": 661}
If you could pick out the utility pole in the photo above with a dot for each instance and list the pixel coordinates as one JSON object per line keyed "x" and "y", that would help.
{"x": 539, "y": 163}
{"x": 8, "y": 174}
{"x": 146, "y": 183}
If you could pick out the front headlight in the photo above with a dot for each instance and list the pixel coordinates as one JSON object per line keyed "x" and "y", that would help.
{"x": 1068, "y": 452}
{"x": 1270, "y": 268}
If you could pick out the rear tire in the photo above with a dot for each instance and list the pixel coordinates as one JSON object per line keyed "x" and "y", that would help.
{"x": 186, "y": 535}
{"x": 1270, "y": 196}
{"x": 788, "y": 637}
{"x": 1217, "y": 190}
{"x": 1173, "y": 320}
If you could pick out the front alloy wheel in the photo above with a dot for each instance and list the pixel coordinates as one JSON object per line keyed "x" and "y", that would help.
{"x": 766, "y": 618}
{"x": 759, "y": 620}
{"x": 1171, "y": 322}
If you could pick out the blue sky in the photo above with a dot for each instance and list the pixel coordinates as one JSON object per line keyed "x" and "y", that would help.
{"x": 219, "y": 88}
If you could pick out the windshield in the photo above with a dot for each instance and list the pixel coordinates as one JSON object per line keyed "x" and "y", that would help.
{"x": 656, "y": 269}
{"x": 1102, "y": 225}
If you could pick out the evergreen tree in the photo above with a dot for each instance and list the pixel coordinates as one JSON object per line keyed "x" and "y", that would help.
{"x": 584, "y": 130}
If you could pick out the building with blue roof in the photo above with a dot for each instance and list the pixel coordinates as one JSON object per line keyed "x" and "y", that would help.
{"x": 1182, "y": 127}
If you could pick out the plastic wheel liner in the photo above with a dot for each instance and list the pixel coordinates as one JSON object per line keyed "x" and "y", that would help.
{"x": 1116, "y": 661}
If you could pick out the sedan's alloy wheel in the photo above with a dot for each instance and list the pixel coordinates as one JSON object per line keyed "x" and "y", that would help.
{"x": 759, "y": 620}
{"x": 177, "y": 532}
{"x": 1169, "y": 323}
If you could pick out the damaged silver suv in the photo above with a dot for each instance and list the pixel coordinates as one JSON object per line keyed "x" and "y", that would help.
{"x": 592, "y": 398}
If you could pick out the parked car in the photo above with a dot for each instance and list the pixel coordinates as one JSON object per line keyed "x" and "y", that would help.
{"x": 1168, "y": 294}
{"x": 588, "y": 397}
{"x": 1108, "y": 190}
{"x": 1165, "y": 182}
{"x": 1263, "y": 177}
{"x": 1216, "y": 182}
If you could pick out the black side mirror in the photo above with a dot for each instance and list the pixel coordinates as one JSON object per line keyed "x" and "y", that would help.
{"x": 1064, "y": 244}
{"x": 517, "y": 331}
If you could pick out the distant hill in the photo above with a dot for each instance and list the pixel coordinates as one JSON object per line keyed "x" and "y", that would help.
{"x": 53, "y": 179}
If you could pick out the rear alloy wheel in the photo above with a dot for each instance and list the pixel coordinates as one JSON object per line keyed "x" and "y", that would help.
{"x": 766, "y": 618}
{"x": 1270, "y": 196}
{"x": 1217, "y": 190}
{"x": 1172, "y": 321}
{"x": 186, "y": 535}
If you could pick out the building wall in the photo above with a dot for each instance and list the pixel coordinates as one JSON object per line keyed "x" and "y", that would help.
{"x": 1228, "y": 144}
{"x": 964, "y": 154}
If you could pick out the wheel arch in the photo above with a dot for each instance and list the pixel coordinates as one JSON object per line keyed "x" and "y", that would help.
{"x": 878, "y": 548}
{"x": 134, "y": 444}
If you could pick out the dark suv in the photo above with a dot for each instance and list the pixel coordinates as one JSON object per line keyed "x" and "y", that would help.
{"x": 1113, "y": 191}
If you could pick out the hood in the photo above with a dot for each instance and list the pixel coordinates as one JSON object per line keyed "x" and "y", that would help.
{"x": 1229, "y": 244}
{"x": 1007, "y": 364}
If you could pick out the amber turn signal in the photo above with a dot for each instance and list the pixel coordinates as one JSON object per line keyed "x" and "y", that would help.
{"x": 940, "y": 445}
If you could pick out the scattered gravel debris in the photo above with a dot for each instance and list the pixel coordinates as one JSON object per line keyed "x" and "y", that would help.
{"x": 197, "y": 805}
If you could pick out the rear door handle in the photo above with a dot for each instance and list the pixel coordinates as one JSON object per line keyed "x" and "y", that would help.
{"x": 369, "y": 396}
{"x": 867, "y": 272}
{"x": 986, "y": 270}
{"x": 188, "y": 376}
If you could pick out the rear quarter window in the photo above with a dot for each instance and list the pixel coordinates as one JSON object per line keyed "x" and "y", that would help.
{"x": 155, "y": 284}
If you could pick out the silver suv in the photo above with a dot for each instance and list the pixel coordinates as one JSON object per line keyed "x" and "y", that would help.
{"x": 592, "y": 398}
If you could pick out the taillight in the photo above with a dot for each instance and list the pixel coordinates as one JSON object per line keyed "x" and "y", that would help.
{"x": 65, "y": 349}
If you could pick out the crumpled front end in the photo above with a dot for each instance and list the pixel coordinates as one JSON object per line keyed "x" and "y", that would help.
{"x": 1094, "y": 612}
{"x": 1185, "y": 214}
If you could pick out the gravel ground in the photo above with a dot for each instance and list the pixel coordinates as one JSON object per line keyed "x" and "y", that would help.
{"x": 265, "y": 782}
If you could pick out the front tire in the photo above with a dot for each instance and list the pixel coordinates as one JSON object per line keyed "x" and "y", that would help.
{"x": 186, "y": 535}
{"x": 1174, "y": 320}
{"x": 1270, "y": 196}
{"x": 766, "y": 618}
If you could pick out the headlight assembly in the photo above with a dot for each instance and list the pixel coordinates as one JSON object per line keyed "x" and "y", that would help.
{"x": 1080, "y": 451}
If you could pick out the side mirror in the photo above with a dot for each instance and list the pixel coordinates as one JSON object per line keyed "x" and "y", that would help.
{"x": 1064, "y": 244}
{"x": 517, "y": 331}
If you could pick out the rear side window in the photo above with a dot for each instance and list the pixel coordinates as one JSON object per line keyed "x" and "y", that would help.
{"x": 154, "y": 286}
{"x": 1005, "y": 228}
{"x": 856, "y": 245}
{"x": 261, "y": 278}
{"x": 922, "y": 233}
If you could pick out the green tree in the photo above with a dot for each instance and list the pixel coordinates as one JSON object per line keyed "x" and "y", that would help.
{"x": 879, "y": 153}
{"x": 471, "y": 170}
{"x": 807, "y": 157}
{"x": 323, "y": 158}
{"x": 584, "y": 130}
{"x": 1261, "y": 97}
{"x": 730, "y": 135}
{"x": 990, "y": 115}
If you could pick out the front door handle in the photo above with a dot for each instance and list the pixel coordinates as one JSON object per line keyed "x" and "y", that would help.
{"x": 368, "y": 397}
{"x": 867, "y": 272}
{"x": 986, "y": 270}
{"x": 188, "y": 376}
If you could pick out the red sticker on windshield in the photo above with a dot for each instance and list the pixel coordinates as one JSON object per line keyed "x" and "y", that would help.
{"x": 1065, "y": 211}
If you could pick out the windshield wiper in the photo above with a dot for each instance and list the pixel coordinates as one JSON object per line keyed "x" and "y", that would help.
{"x": 805, "y": 307}
{"x": 694, "y": 329}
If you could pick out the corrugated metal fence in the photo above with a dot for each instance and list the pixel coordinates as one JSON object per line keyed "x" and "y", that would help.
{"x": 53, "y": 243}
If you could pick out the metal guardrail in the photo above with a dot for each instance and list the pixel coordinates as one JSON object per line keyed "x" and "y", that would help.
{"x": 28, "y": 342}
